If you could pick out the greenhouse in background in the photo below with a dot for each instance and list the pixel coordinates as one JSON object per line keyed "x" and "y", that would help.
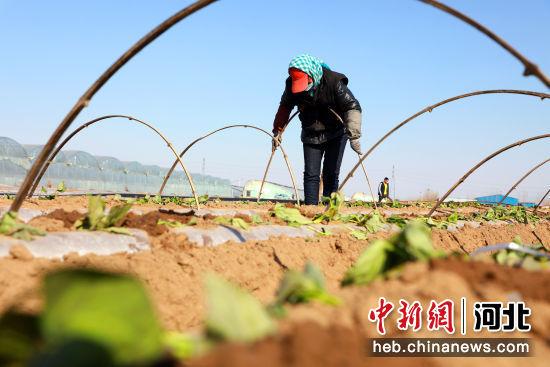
{"x": 82, "y": 171}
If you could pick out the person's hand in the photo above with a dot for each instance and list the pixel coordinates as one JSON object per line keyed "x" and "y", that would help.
{"x": 276, "y": 141}
{"x": 356, "y": 146}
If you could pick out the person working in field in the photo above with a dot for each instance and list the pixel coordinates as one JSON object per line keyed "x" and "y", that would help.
{"x": 330, "y": 115}
{"x": 384, "y": 190}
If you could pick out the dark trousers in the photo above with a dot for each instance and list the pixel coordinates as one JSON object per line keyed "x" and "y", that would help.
{"x": 333, "y": 151}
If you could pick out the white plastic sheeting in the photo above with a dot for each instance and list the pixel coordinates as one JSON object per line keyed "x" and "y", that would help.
{"x": 58, "y": 244}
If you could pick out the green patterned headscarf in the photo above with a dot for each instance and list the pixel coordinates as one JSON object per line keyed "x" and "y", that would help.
{"x": 310, "y": 65}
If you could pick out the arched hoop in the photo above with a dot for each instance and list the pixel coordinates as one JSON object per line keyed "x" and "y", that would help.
{"x": 103, "y": 118}
{"x": 488, "y": 158}
{"x": 225, "y": 128}
{"x": 429, "y": 109}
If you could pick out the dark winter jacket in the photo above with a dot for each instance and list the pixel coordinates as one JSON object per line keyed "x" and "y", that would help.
{"x": 318, "y": 122}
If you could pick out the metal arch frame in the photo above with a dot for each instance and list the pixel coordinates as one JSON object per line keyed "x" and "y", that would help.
{"x": 523, "y": 178}
{"x": 85, "y": 99}
{"x": 271, "y": 158}
{"x": 482, "y": 162}
{"x": 530, "y": 67}
{"x": 103, "y": 118}
{"x": 432, "y": 107}
{"x": 291, "y": 173}
{"x": 541, "y": 200}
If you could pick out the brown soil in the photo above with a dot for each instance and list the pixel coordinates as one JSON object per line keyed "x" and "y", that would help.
{"x": 312, "y": 334}
{"x": 468, "y": 238}
{"x": 481, "y": 275}
{"x": 307, "y": 345}
{"x": 318, "y": 335}
{"x": 173, "y": 269}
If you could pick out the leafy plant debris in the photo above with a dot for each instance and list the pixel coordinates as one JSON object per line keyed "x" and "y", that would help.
{"x": 302, "y": 287}
{"x": 291, "y": 216}
{"x": 10, "y": 225}
{"x": 97, "y": 220}
{"x": 381, "y": 256}
{"x": 233, "y": 314}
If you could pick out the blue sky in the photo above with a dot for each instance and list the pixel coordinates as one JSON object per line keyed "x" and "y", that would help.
{"x": 227, "y": 64}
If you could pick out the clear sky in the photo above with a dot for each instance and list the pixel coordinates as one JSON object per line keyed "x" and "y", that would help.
{"x": 227, "y": 64}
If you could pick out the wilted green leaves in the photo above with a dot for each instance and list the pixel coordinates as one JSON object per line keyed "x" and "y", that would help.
{"x": 332, "y": 212}
{"x": 97, "y": 220}
{"x": 110, "y": 310}
{"x": 291, "y": 216}
{"x": 411, "y": 244}
{"x": 302, "y": 287}
{"x": 176, "y": 224}
{"x": 10, "y": 225}
{"x": 233, "y": 222}
{"x": 89, "y": 319}
{"x": 233, "y": 314}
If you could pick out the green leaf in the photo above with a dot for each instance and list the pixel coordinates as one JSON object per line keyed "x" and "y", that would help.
{"x": 96, "y": 212}
{"x": 112, "y": 311}
{"x": 170, "y": 223}
{"x": 116, "y": 215}
{"x": 19, "y": 338}
{"x": 256, "y": 219}
{"x": 43, "y": 190}
{"x": 118, "y": 230}
{"x": 233, "y": 314}
{"x": 370, "y": 265}
{"x": 382, "y": 256}
{"x": 61, "y": 187}
{"x": 360, "y": 235}
{"x": 397, "y": 220}
{"x": 290, "y": 215}
{"x": 303, "y": 287}
{"x": 374, "y": 223}
{"x": 417, "y": 241}
{"x": 334, "y": 203}
{"x": 233, "y": 222}
{"x": 10, "y": 225}
{"x": 453, "y": 218}
{"x": 184, "y": 346}
{"x": 96, "y": 220}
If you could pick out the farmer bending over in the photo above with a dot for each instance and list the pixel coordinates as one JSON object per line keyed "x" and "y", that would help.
{"x": 323, "y": 101}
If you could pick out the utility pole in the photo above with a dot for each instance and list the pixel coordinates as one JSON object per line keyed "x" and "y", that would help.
{"x": 393, "y": 180}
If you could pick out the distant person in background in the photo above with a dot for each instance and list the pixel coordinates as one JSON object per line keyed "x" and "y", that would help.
{"x": 324, "y": 102}
{"x": 384, "y": 190}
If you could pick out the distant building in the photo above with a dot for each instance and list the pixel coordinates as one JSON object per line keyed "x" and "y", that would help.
{"x": 495, "y": 199}
{"x": 270, "y": 191}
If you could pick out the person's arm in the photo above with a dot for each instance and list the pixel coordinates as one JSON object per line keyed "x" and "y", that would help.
{"x": 347, "y": 102}
{"x": 380, "y": 189}
{"x": 281, "y": 119}
{"x": 283, "y": 112}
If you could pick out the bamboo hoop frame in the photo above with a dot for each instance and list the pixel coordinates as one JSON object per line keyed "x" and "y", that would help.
{"x": 103, "y": 118}
{"x": 359, "y": 155}
{"x": 85, "y": 99}
{"x": 290, "y": 171}
{"x": 541, "y": 200}
{"x": 270, "y": 159}
{"x": 530, "y": 67}
{"x": 482, "y": 162}
{"x": 523, "y": 178}
{"x": 541, "y": 95}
